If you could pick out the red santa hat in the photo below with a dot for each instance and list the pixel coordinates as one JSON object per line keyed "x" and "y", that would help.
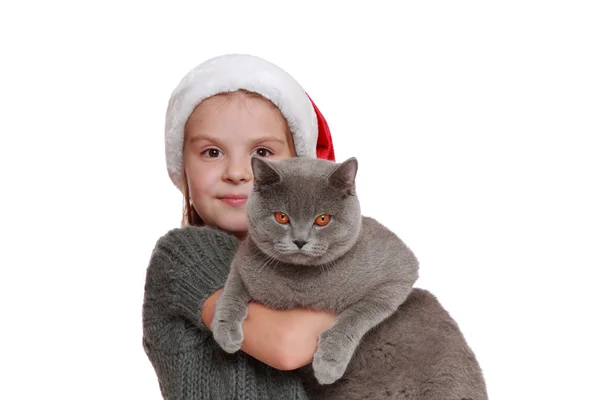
{"x": 232, "y": 72}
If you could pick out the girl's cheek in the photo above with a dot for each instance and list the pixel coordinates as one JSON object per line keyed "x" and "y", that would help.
{"x": 196, "y": 162}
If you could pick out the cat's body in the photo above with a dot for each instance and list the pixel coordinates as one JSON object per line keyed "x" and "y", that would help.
{"x": 310, "y": 247}
{"x": 418, "y": 353}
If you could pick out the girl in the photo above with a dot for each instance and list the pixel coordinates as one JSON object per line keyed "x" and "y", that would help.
{"x": 222, "y": 113}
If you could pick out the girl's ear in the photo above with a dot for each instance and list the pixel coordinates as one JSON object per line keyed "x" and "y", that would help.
{"x": 343, "y": 177}
{"x": 264, "y": 173}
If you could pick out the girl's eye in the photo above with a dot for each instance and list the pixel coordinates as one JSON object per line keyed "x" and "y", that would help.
{"x": 212, "y": 153}
{"x": 262, "y": 152}
{"x": 323, "y": 219}
{"x": 282, "y": 218}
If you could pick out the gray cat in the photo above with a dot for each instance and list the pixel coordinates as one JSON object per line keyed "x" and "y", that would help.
{"x": 308, "y": 246}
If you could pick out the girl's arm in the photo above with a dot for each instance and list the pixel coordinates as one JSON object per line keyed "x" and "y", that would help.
{"x": 189, "y": 266}
{"x": 285, "y": 340}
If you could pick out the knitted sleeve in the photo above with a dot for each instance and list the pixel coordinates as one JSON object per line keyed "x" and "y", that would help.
{"x": 187, "y": 265}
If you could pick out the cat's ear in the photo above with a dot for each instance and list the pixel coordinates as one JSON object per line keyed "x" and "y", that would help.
{"x": 264, "y": 173}
{"x": 343, "y": 177}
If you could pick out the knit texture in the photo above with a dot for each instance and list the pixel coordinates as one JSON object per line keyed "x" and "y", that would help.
{"x": 188, "y": 265}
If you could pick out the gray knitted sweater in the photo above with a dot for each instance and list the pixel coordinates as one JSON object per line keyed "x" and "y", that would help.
{"x": 188, "y": 265}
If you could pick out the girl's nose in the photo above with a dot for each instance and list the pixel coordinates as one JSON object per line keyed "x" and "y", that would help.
{"x": 238, "y": 170}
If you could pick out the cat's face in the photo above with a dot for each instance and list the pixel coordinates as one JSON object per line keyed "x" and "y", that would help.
{"x": 304, "y": 211}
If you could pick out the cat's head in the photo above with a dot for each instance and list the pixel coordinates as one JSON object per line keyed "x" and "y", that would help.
{"x": 304, "y": 211}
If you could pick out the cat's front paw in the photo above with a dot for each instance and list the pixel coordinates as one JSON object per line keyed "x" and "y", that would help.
{"x": 332, "y": 357}
{"x": 228, "y": 334}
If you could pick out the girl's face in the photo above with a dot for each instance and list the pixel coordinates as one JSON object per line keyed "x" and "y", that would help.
{"x": 222, "y": 135}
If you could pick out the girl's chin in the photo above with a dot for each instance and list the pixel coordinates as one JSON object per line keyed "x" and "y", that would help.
{"x": 236, "y": 228}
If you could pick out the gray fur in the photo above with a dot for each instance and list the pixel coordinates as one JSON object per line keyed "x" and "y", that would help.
{"x": 355, "y": 267}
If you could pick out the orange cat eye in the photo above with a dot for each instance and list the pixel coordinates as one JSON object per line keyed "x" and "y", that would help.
{"x": 282, "y": 218}
{"x": 323, "y": 219}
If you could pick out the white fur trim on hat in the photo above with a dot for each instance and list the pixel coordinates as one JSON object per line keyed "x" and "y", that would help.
{"x": 229, "y": 73}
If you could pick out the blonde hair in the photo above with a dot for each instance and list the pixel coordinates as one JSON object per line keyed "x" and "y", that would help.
{"x": 189, "y": 215}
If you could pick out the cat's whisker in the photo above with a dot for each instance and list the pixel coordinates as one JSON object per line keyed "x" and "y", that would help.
{"x": 263, "y": 260}
{"x": 329, "y": 266}
{"x": 270, "y": 260}
{"x": 278, "y": 253}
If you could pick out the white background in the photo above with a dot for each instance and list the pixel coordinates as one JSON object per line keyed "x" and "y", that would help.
{"x": 476, "y": 126}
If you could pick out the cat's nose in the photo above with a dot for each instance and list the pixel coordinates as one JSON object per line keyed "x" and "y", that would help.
{"x": 299, "y": 243}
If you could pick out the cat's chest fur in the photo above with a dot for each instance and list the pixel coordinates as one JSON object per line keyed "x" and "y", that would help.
{"x": 292, "y": 286}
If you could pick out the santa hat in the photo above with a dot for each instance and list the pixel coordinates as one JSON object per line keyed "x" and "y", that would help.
{"x": 232, "y": 72}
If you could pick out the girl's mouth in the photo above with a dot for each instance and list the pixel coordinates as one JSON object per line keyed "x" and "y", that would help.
{"x": 234, "y": 200}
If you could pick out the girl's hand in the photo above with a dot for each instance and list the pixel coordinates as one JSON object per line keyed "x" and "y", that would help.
{"x": 285, "y": 340}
